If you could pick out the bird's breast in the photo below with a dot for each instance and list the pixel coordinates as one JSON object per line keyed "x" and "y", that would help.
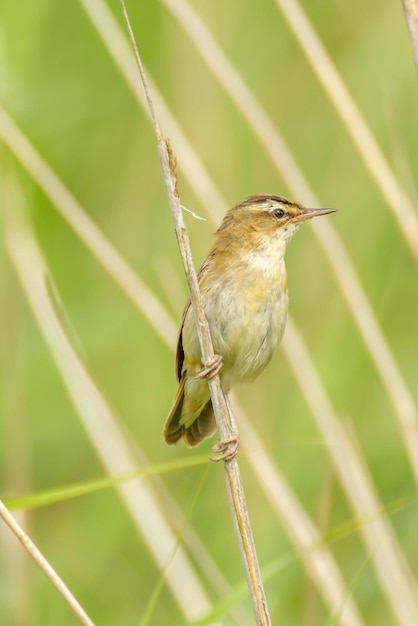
{"x": 247, "y": 310}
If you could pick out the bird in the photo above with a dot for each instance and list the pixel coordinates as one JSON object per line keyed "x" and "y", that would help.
{"x": 243, "y": 286}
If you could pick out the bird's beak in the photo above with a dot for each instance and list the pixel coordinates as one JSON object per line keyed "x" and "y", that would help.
{"x": 308, "y": 214}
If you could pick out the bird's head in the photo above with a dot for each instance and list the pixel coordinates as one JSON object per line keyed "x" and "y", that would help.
{"x": 262, "y": 218}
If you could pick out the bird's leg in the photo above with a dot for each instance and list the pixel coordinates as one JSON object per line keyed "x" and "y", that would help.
{"x": 227, "y": 449}
{"x": 210, "y": 369}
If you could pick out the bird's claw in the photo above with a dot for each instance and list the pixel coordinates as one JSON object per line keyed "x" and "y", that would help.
{"x": 225, "y": 450}
{"x": 211, "y": 369}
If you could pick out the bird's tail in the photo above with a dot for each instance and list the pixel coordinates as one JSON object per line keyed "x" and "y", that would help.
{"x": 202, "y": 427}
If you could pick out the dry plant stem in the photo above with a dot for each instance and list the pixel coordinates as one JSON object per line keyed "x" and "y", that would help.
{"x": 48, "y": 570}
{"x": 410, "y": 8}
{"x": 223, "y": 421}
{"x": 225, "y": 428}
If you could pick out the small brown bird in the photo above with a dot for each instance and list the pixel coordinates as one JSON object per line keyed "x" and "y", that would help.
{"x": 243, "y": 285}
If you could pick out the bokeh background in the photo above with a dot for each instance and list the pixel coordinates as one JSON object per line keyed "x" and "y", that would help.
{"x": 61, "y": 86}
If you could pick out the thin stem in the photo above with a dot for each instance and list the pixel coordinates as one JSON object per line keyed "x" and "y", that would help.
{"x": 226, "y": 432}
{"x": 45, "y": 566}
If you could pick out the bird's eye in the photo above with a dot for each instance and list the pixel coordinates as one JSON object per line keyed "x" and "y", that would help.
{"x": 278, "y": 213}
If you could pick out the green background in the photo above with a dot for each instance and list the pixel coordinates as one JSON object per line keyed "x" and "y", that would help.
{"x": 64, "y": 91}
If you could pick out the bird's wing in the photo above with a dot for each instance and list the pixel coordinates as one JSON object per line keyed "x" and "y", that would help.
{"x": 180, "y": 351}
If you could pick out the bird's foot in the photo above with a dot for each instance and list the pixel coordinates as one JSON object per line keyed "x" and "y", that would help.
{"x": 210, "y": 369}
{"x": 225, "y": 450}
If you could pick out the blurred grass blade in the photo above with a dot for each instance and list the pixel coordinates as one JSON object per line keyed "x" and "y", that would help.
{"x": 152, "y": 602}
{"x": 337, "y": 533}
{"x": 239, "y": 592}
{"x": 318, "y": 562}
{"x": 67, "y": 492}
{"x": 356, "y": 126}
{"x": 70, "y": 209}
{"x": 99, "y": 421}
{"x": 346, "y": 528}
{"x": 410, "y": 8}
{"x": 116, "y": 43}
{"x": 45, "y": 566}
{"x": 357, "y": 129}
{"x": 334, "y": 620}
{"x": 390, "y": 563}
{"x": 198, "y": 547}
{"x": 392, "y": 570}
